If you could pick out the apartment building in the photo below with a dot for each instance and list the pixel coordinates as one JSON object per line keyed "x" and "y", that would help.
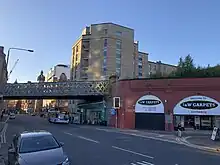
{"x": 59, "y": 72}
{"x": 102, "y": 50}
{"x": 141, "y": 69}
{"x": 160, "y": 69}
{"x": 107, "y": 48}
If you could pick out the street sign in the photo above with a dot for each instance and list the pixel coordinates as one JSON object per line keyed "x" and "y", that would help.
{"x": 113, "y": 111}
{"x": 214, "y": 133}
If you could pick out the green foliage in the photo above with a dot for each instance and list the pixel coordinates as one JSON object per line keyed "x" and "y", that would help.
{"x": 187, "y": 68}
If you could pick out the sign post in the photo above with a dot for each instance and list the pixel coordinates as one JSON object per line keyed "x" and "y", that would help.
{"x": 116, "y": 106}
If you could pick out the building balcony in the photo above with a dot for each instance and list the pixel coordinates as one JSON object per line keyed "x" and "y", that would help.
{"x": 85, "y": 55}
{"x": 85, "y": 63}
{"x": 83, "y": 75}
{"x": 86, "y": 45}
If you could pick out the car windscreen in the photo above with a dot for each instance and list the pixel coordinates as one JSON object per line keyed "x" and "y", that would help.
{"x": 38, "y": 143}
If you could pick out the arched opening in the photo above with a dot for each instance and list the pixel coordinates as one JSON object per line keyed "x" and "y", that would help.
{"x": 196, "y": 112}
{"x": 149, "y": 113}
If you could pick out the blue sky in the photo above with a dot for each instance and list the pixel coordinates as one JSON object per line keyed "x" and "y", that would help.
{"x": 166, "y": 29}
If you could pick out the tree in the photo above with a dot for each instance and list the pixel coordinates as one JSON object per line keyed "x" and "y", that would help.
{"x": 186, "y": 68}
{"x": 188, "y": 64}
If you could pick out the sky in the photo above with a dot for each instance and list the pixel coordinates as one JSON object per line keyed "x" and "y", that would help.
{"x": 166, "y": 29}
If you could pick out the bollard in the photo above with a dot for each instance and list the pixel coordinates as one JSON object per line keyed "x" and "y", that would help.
{"x": 179, "y": 133}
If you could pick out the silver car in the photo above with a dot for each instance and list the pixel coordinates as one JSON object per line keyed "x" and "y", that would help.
{"x": 36, "y": 148}
{"x": 11, "y": 115}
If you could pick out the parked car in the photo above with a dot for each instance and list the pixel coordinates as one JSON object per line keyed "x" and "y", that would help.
{"x": 11, "y": 115}
{"x": 37, "y": 147}
{"x": 33, "y": 114}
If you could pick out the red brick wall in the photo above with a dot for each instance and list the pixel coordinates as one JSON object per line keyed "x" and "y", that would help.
{"x": 171, "y": 90}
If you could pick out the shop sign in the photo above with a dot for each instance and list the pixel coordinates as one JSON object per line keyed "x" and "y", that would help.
{"x": 149, "y": 104}
{"x": 197, "y": 105}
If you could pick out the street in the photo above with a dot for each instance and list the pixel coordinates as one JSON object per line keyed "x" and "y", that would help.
{"x": 86, "y": 145}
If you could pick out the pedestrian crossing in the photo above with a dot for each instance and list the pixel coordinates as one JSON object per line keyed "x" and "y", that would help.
{"x": 141, "y": 163}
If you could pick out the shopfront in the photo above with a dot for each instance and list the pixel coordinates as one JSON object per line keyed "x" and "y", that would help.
{"x": 149, "y": 113}
{"x": 93, "y": 113}
{"x": 197, "y": 112}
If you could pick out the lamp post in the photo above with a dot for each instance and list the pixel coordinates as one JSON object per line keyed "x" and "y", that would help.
{"x": 20, "y": 49}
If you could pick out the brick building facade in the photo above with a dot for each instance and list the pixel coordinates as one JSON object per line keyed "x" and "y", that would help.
{"x": 171, "y": 96}
{"x": 3, "y": 74}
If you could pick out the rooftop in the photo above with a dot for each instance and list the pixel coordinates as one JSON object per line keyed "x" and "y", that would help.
{"x": 111, "y": 23}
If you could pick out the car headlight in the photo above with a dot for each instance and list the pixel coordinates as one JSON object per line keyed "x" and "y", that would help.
{"x": 66, "y": 162}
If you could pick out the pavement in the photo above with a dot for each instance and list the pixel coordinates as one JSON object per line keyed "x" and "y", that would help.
{"x": 87, "y": 145}
{"x": 3, "y": 128}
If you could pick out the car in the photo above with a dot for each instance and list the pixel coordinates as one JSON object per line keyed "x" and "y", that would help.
{"x": 35, "y": 148}
{"x": 33, "y": 114}
{"x": 11, "y": 115}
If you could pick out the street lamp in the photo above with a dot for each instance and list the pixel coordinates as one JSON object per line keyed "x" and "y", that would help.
{"x": 21, "y": 49}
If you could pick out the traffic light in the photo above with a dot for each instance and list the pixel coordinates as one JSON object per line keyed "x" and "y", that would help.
{"x": 116, "y": 102}
{"x": 1, "y": 97}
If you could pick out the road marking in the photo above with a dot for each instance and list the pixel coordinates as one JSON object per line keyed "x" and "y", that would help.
{"x": 158, "y": 138}
{"x": 4, "y": 136}
{"x": 148, "y": 163}
{"x": 142, "y": 163}
{"x": 100, "y": 129}
{"x": 84, "y": 138}
{"x": 6, "y": 120}
{"x": 154, "y": 138}
{"x": 136, "y": 153}
{"x": 187, "y": 137}
{"x": 68, "y": 133}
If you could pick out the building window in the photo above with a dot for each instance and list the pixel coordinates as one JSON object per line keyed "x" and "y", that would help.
{"x": 140, "y": 74}
{"x": 105, "y": 53}
{"x": 77, "y": 49}
{"x": 105, "y": 31}
{"x": 118, "y": 33}
{"x": 118, "y": 44}
{"x": 118, "y": 55}
{"x": 76, "y": 59}
{"x": 140, "y": 63}
{"x": 150, "y": 67}
{"x": 118, "y": 58}
{"x": 165, "y": 69}
{"x": 105, "y": 43}
{"x": 155, "y": 67}
{"x": 118, "y": 63}
{"x": 104, "y": 65}
{"x": 73, "y": 50}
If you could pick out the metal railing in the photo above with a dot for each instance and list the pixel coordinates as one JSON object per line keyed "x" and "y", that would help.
{"x": 71, "y": 88}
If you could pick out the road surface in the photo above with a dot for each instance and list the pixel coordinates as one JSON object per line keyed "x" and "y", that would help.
{"x": 90, "y": 146}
